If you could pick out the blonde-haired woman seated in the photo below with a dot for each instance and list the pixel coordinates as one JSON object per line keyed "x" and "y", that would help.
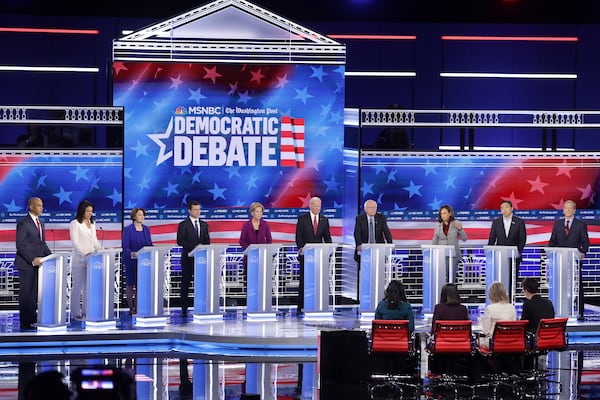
{"x": 499, "y": 309}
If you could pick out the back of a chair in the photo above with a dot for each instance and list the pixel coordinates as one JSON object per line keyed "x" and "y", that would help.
{"x": 551, "y": 334}
{"x": 509, "y": 337}
{"x": 391, "y": 336}
{"x": 452, "y": 336}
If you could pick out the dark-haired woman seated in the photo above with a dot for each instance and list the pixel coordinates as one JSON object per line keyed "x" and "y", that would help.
{"x": 395, "y": 305}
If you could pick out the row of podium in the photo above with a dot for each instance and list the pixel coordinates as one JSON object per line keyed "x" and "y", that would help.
{"x": 437, "y": 270}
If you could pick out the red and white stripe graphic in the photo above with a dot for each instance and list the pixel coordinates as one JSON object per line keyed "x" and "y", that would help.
{"x": 292, "y": 142}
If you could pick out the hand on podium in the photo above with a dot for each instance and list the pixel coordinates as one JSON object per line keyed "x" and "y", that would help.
{"x": 37, "y": 261}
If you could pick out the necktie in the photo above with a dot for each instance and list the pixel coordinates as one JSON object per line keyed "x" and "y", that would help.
{"x": 197, "y": 229}
{"x": 567, "y": 228}
{"x": 315, "y": 224}
{"x": 371, "y": 231}
{"x": 39, "y": 226}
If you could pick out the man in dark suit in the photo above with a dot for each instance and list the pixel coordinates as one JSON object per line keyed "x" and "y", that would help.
{"x": 572, "y": 232}
{"x": 509, "y": 230}
{"x": 535, "y": 307}
{"x": 380, "y": 233}
{"x": 311, "y": 227}
{"x": 31, "y": 247}
{"x": 190, "y": 233}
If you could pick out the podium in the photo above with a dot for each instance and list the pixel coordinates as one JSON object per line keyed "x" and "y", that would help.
{"x": 562, "y": 273}
{"x": 52, "y": 293}
{"x": 259, "y": 289}
{"x": 100, "y": 290}
{"x": 316, "y": 280}
{"x": 207, "y": 278}
{"x": 500, "y": 265}
{"x": 150, "y": 286}
{"x": 438, "y": 269}
{"x": 372, "y": 277}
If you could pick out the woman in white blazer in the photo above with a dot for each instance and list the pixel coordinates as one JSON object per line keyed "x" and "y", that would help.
{"x": 448, "y": 231}
{"x": 83, "y": 237}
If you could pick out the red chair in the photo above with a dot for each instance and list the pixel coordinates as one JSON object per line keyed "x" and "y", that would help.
{"x": 393, "y": 356}
{"x": 551, "y": 335}
{"x": 451, "y": 349}
{"x": 509, "y": 337}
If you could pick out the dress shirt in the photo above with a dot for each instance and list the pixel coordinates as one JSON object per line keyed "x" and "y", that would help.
{"x": 507, "y": 222}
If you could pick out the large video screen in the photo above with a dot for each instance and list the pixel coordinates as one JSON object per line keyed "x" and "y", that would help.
{"x": 411, "y": 187}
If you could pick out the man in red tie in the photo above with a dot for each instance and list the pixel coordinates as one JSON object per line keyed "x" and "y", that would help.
{"x": 312, "y": 227}
{"x": 572, "y": 232}
{"x": 31, "y": 247}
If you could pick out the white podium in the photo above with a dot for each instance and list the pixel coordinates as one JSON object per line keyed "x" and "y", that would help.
{"x": 207, "y": 278}
{"x": 372, "y": 277}
{"x": 316, "y": 280}
{"x": 500, "y": 265}
{"x": 100, "y": 290}
{"x": 52, "y": 293}
{"x": 562, "y": 274}
{"x": 259, "y": 288}
{"x": 438, "y": 269}
{"x": 150, "y": 286}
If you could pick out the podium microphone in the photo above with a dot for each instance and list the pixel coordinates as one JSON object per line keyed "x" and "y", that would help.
{"x": 53, "y": 241}
{"x": 102, "y": 237}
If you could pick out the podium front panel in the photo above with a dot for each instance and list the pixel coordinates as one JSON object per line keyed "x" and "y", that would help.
{"x": 52, "y": 284}
{"x": 561, "y": 270}
{"x": 207, "y": 277}
{"x": 500, "y": 266}
{"x": 372, "y": 274}
{"x": 436, "y": 261}
{"x": 100, "y": 286}
{"x": 316, "y": 276}
{"x": 259, "y": 285}
{"x": 151, "y": 280}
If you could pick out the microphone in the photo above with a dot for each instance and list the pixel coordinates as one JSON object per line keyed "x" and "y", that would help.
{"x": 102, "y": 237}
{"x": 53, "y": 241}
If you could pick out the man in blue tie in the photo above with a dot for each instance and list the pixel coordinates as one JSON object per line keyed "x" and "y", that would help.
{"x": 572, "y": 232}
{"x": 370, "y": 227}
{"x": 191, "y": 232}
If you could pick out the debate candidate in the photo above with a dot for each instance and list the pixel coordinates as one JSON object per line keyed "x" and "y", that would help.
{"x": 31, "y": 247}
{"x": 191, "y": 232}
{"x": 311, "y": 227}
{"x": 572, "y": 232}
{"x": 447, "y": 232}
{"x": 509, "y": 230}
{"x": 370, "y": 227}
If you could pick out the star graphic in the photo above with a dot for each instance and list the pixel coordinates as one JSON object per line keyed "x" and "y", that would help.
{"x": 257, "y": 76}
{"x": 305, "y": 200}
{"x": 12, "y": 207}
{"x": 217, "y": 192}
{"x": 450, "y": 182}
{"x": 340, "y": 70}
{"x": 331, "y": 184}
{"x": 302, "y": 95}
{"x": 160, "y": 105}
{"x": 171, "y": 188}
{"x": 127, "y": 172}
{"x": 175, "y": 82}
{"x": 244, "y": 98}
{"x": 563, "y": 169}
{"x": 379, "y": 201}
{"x": 94, "y": 184}
{"x": 585, "y": 192}
{"x": 392, "y": 176}
{"x": 140, "y": 149}
{"x": 281, "y": 81}
{"x": 413, "y": 189}
{"x": 559, "y": 206}
{"x": 398, "y": 208}
{"x": 115, "y": 197}
{"x": 336, "y": 117}
{"x": 251, "y": 182}
{"x": 41, "y": 181}
{"x": 80, "y": 173}
{"x": 130, "y": 204}
{"x": 318, "y": 73}
{"x": 63, "y": 196}
{"x": 325, "y": 110}
{"x": 156, "y": 138}
{"x": 196, "y": 177}
{"x": 379, "y": 168}
{"x": 233, "y": 87}
{"x": 321, "y": 131}
{"x": 537, "y": 185}
{"x": 513, "y": 200}
{"x": 435, "y": 204}
{"x": 212, "y": 74}
{"x": 339, "y": 86}
{"x": 429, "y": 169}
{"x": 196, "y": 95}
{"x": 144, "y": 184}
{"x": 184, "y": 199}
{"x": 366, "y": 189}
{"x": 185, "y": 170}
{"x": 232, "y": 171}
{"x": 336, "y": 143}
{"x": 312, "y": 163}
{"x": 119, "y": 66}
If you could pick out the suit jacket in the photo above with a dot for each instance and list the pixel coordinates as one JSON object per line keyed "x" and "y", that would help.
{"x": 188, "y": 240}
{"x": 451, "y": 239}
{"x": 535, "y": 309}
{"x": 29, "y": 245}
{"x": 250, "y": 236}
{"x": 517, "y": 236}
{"x": 305, "y": 232}
{"x": 577, "y": 238}
{"x": 361, "y": 231}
